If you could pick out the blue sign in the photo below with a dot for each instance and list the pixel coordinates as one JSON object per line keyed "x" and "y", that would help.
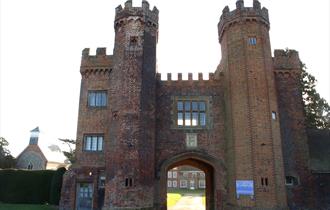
{"x": 244, "y": 187}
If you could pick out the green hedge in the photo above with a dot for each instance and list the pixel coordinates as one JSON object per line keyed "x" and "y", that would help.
{"x": 30, "y": 187}
{"x": 56, "y": 185}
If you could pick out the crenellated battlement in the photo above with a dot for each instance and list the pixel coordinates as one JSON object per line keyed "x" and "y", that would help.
{"x": 143, "y": 13}
{"x": 286, "y": 60}
{"x": 101, "y": 63}
{"x": 242, "y": 13}
{"x": 201, "y": 77}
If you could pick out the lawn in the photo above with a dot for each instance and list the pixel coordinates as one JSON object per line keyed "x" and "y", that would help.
{"x": 174, "y": 195}
{"x": 25, "y": 207}
{"x": 172, "y": 199}
{"x": 186, "y": 191}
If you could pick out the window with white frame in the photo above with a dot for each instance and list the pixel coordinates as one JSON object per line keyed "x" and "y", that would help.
{"x": 183, "y": 183}
{"x": 174, "y": 184}
{"x": 93, "y": 143}
{"x": 169, "y": 183}
{"x": 201, "y": 174}
{"x": 175, "y": 174}
{"x": 191, "y": 113}
{"x": 201, "y": 183}
{"x": 97, "y": 98}
{"x": 169, "y": 174}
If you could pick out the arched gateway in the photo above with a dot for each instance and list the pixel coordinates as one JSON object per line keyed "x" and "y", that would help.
{"x": 214, "y": 176}
{"x": 133, "y": 127}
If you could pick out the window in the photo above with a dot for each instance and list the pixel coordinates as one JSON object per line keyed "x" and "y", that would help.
{"x": 93, "y": 143}
{"x": 264, "y": 181}
{"x": 183, "y": 183}
{"x": 97, "y": 98}
{"x": 128, "y": 182}
{"x": 291, "y": 181}
{"x": 85, "y": 195}
{"x": 185, "y": 174}
{"x": 191, "y": 113}
{"x": 30, "y": 166}
{"x": 133, "y": 41}
{"x": 252, "y": 41}
{"x": 169, "y": 183}
{"x": 174, "y": 174}
{"x": 85, "y": 190}
{"x": 169, "y": 174}
{"x": 201, "y": 183}
{"x": 274, "y": 115}
{"x": 102, "y": 179}
{"x": 174, "y": 184}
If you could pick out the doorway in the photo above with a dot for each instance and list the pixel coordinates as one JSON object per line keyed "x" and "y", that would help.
{"x": 84, "y": 196}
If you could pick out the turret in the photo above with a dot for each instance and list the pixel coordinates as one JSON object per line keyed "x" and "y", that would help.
{"x": 242, "y": 14}
{"x": 132, "y": 98}
{"x": 34, "y": 136}
{"x": 253, "y": 132}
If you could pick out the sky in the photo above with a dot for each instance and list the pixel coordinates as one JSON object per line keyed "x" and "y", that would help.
{"x": 41, "y": 43}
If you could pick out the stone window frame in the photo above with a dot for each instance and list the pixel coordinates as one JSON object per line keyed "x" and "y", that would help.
{"x": 102, "y": 106}
{"x": 98, "y": 135}
{"x": 208, "y": 108}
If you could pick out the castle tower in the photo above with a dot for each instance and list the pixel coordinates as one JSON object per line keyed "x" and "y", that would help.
{"x": 287, "y": 68}
{"x": 254, "y": 151}
{"x": 132, "y": 96}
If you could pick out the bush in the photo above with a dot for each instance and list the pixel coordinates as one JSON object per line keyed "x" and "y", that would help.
{"x": 56, "y": 185}
{"x": 30, "y": 187}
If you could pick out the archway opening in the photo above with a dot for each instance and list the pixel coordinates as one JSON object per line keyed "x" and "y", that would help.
{"x": 189, "y": 185}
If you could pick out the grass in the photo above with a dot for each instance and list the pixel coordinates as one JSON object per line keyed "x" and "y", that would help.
{"x": 172, "y": 199}
{"x": 186, "y": 191}
{"x": 4, "y": 206}
{"x": 174, "y": 195}
{"x": 204, "y": 200}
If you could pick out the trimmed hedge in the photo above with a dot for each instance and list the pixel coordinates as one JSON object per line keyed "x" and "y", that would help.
{"x": 30, "y": 187}
{"x": 56, "y": 185}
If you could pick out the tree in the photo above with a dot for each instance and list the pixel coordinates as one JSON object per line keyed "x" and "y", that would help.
{"x": 6, "y": 159}
{"x": 71, "y": 155}
{"x": 317, "y": 110}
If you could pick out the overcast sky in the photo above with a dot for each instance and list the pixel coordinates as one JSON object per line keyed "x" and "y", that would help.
{"x": 41, "y": 43}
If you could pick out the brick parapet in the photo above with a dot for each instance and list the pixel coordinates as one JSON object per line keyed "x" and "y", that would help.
{"x": 286, "y": 60}
{"x": 201, "y": 77}
{"x": 143, "y": 13}
{"x": 242, "y": 14}
{"x": 99, "y": 64}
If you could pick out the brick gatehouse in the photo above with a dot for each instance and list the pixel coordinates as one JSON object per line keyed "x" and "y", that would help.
{"x": 133, "y": 127}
